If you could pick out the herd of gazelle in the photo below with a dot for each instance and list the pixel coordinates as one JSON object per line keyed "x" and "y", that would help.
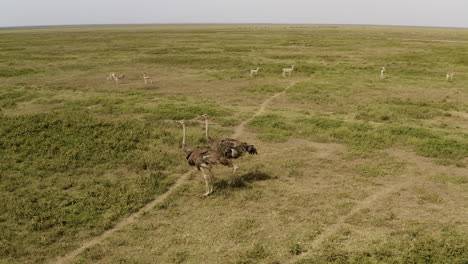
{"x": 117, "y": 79}
{"x": 285, "y": 70}
{"x": 449, "y": 76}
{"x": 147, "y": 78}
{"x": 225, "y": 150}
{"x": 221, "y": 151}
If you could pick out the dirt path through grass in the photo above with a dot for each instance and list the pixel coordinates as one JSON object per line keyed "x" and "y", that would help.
{"x": 420, "y": 167}
{"x": 240, "y": 128}
{"x": 132, "y": 218}
{"x": 129, "y": 220}
{"x": 340, "y": 222}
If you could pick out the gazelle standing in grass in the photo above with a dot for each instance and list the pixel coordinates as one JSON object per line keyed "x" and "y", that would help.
{"x": 147, "y": 78}
{"x": 254, "y": 72}
{"x": 449, "y": 76}
{"x": 110, "y": 76}
{"x": 117, "y": 79}
{"x": 288, "y": 70}
{"x": 114, "y": 77}
{"x": 382, "y": 72}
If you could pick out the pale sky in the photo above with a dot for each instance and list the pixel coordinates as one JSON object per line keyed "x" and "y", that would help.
{"x": 442, "y": 13}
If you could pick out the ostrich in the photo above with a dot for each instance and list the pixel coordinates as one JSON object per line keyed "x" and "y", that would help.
{"x": 204, "y": 158}
{"x": 228, "y": 147}
{"x": 288, "y": 70}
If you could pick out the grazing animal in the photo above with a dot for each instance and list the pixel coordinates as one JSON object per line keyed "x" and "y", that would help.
{"x": 449, "y": 76}
{"x": 147, "y": 78}
{"x": 254, "y": 72}
{"x": 117, "y": 79}
{"x": 382, "y": 72}
{"x": 288, "y": 70}
{"x": 229, "y": 148}
{"x": 204, "y": 158}
{"x": 114, "y": 77}
{"x": 111, "y": 76}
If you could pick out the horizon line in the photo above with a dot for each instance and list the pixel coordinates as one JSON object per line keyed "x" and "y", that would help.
{"x": 207, "y": 23}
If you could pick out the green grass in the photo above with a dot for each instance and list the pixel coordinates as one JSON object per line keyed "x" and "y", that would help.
{"x": 57, "y": 178}
{"x": 417, "y": 248}
{"x": 79, "y": 153}
{"x": 275, "y": 129}
{"x": 361, "y": 137}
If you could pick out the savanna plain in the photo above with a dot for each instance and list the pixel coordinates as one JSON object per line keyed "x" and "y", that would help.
{"x": 351, "y": 167}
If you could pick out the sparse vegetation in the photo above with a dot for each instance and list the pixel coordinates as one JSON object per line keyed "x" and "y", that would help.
{"x": 80, "y": 153}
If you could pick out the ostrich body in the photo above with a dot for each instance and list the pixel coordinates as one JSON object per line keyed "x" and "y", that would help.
{"x": 204, "y": 158}
{"x": 230, "y": 148}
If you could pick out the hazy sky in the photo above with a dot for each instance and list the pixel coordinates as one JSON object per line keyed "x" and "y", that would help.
{"x": 451, "y": 13}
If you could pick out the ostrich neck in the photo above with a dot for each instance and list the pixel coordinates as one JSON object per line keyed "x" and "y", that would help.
{"x": 206, "y": 129}
{"x": 183, "y": 137}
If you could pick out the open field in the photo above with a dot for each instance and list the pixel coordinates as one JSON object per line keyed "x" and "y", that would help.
{"x": 352, "y": 168}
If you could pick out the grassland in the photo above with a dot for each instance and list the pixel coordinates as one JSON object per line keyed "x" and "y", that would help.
{"x": 352, "y": 168}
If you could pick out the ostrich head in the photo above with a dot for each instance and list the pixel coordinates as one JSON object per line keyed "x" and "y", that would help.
{"x": 251, "y": 149}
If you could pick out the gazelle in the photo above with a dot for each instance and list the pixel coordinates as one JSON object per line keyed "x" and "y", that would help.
{"x": 111, "y": 76}
{"x": 288, "y": 70}
{"x": 449, "y": 76}
{"x": 117, "y": 79}
{"x": 147, "y": 78}
{"x": 382, "y": 72}
{"x": 254, "y": 72}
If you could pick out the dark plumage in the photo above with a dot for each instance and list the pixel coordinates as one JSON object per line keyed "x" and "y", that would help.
{"x": 233, "y": 148}
{"x": 229, "y": 147}
{"x": 204, "y": 158}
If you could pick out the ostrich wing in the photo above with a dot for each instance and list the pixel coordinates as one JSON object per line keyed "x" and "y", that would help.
{"x": 233, "y": 148}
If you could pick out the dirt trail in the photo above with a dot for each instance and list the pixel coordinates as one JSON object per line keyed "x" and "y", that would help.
{"x": 67, "y": 258}
{"x": 71, "y": 255}
{"x": 366, "y": 203}
{"x": 240, "y": 128}
{"x": 418, "y": 165}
